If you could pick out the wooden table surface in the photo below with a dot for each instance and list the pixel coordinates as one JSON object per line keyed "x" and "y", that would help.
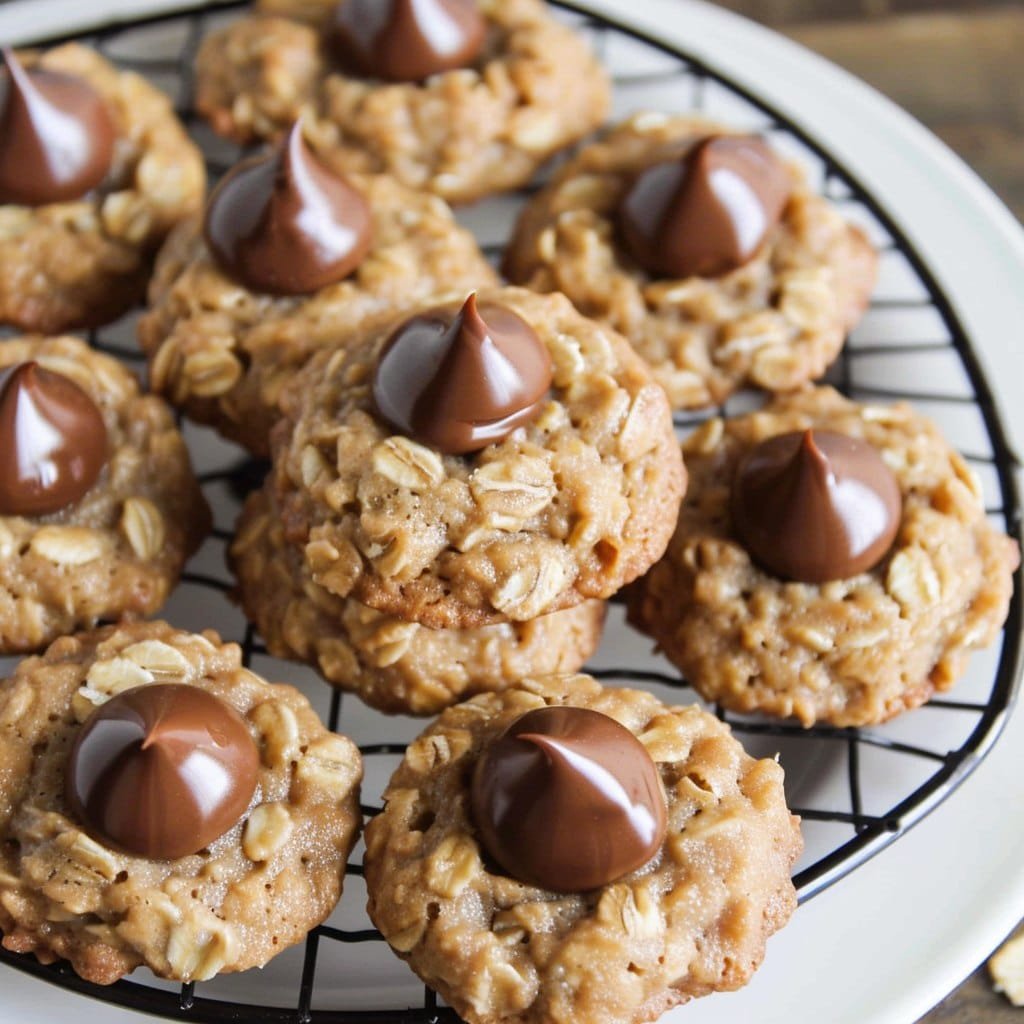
{"x": 957, "y": 66}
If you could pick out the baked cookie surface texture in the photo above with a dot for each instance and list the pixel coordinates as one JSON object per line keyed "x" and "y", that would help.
{"x": 478, "y": 465}
{"x": 523, "y": 87}
{"x": 243, "y": 298}
{"x": 713, "y": 882}
{"x": 850, "y": 649}
{"x": 769, "y": 301}
{"x": 76, "y": 548}
{"x": 392, "y": 664}
{"x": 259, "y": 885}
{"x": 76, "y": 245}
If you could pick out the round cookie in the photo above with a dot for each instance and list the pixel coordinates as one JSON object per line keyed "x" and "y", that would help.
{"x": 83, "y": 262}
{"x": 462, "y": 134}
{"x": 848, "y": 652}
{"x": 393, "y": 665}
{"x": 223, "y": 352}
{"x": 693, "y": 920}
{"x": 570, "y": 506}
{"x": 256, "y": 890}
{"x": 776, "y": 321}
{"x": 117, "y": 551}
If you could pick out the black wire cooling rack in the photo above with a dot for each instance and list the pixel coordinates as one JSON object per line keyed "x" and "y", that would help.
{"x": 915, "y": 316}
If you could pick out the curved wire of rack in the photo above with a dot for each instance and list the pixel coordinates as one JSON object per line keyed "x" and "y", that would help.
{"x": 871, "y": 832}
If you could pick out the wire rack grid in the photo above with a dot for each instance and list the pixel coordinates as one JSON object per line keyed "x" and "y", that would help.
{"x": 857, "y": 790}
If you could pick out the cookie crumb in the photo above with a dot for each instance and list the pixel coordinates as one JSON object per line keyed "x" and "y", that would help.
{"x": 1007, "y": 968}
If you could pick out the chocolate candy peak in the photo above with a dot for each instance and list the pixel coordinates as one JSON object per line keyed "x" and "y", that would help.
{"x": 815, "y": 505}
{"x": 56, "y": 136}
{"x": 162, "y": 771}
{"x": 708, "y": 213}
{"x": 460, "y": 379}
{"x": 282, "y": 223}
{"x": 53, "y": 441}
{"x": 408, "y": 40}
{"x": 568, "y": 800}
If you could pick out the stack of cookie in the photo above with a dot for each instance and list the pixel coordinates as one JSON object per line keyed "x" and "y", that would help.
{"x": 465, "y": 485}
{"x": 461, "y": 473}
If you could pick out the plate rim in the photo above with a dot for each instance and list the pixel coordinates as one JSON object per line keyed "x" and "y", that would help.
{"x": 894, "y": 997}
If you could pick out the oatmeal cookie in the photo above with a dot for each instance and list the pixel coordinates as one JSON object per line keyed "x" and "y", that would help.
{"x": 223, "y": 353}
{"x": 84, "y": 262}
{"x": 571, "y": 506}
{"x": 849, "y": 652}
{"x": 257, "y": 889}
{"x": 693, "y": 920}
{"x": 775, "y": 322}
{"x": 118, "y": 549}
{"x": 393, "y": 665}
{"x": 462, "y": 134}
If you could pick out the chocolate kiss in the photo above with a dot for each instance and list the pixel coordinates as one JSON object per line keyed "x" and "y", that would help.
{"x": 53, "y": 441}
{"x": 56, "y": 136}
{"x": 281, "y": 222}
{"x": 815, "y": 505}
{"x": 161, "y": 771}
{"x": 459, "y": 382}
{"x": 568, "y": 799}
{"x": 708, "y": 213}
{"x": 408, "y": 40}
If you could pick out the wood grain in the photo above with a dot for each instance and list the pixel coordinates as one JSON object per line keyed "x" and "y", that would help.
{"x": 954, "y": 65}
{"x": 958, "y": 73}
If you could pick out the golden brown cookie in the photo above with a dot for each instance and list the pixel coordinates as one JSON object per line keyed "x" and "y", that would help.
{"x": 116, "y": 551}
{"x": 570, "y": 506}
{"x": 850, "y": 651}
{"x": 774, "y": 322}
{"x": 694, "y": 919}
{"x": 223, "y": 352}
{"x": 256, "y": 890}
{"x": 83, "y": 262}
{"x": 462, "y": 134}
{"x": 393, "y": 665}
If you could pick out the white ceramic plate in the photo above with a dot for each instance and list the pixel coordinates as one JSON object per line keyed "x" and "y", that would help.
{"x": 887, "y": 942}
